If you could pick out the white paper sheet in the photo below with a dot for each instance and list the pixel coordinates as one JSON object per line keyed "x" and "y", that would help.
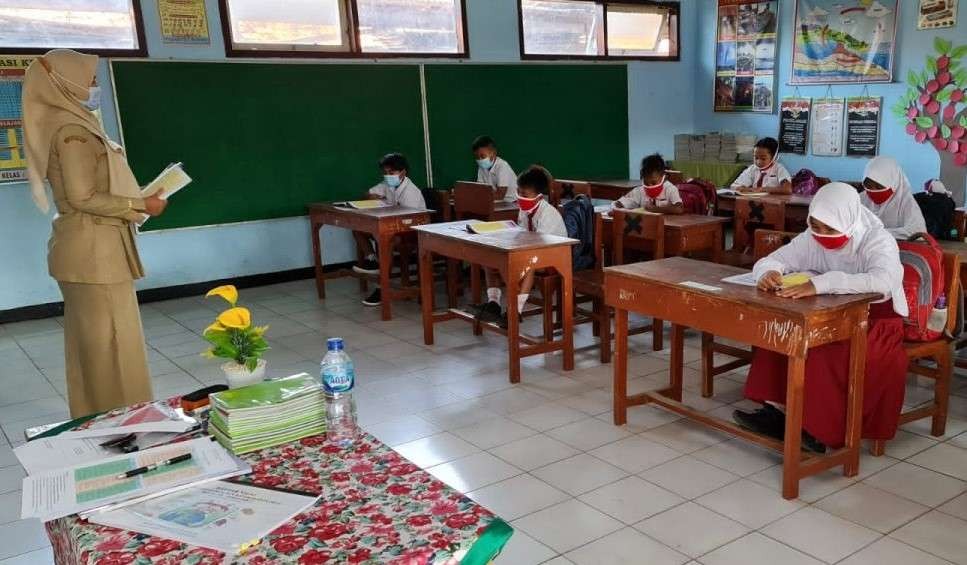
{"x": 46, "y": 454}
{"x": 745, "y": 279}
{"x": 700, "y": 286}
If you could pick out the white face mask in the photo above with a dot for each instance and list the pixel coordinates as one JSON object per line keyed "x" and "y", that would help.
{"x": 93, "y": 101}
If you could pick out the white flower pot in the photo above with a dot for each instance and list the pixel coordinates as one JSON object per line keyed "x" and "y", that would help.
{"x": 239, "y": 375}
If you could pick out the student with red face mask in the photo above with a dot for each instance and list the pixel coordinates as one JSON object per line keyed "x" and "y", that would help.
{"x": 888, "y": 195}
{"x": 657, "y": 193}
{"x": 536, "y": 215}
{"x": 853, "y": 254}
{"x": 767, "y": 174}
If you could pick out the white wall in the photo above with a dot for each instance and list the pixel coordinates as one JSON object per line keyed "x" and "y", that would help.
{"x": 660, "y": 103}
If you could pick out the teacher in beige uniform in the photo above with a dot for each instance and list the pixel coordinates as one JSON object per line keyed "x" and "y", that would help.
{"x": 91, "y": 252}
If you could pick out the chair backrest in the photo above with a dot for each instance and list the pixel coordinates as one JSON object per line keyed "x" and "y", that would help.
{"x": 473, "y": 201}
{"x": 757, "y": 211}
{"x": 767, "y": 241}
{"x": 567, "y": 189}
{"x": 951, "y": 269}
{"x": 639, "y": 230}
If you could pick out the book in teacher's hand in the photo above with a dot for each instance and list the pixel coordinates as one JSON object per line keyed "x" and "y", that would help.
{"x": 172, "y": 179}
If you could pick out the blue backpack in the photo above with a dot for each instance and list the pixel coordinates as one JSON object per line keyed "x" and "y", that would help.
{"x": 579, "y": 221}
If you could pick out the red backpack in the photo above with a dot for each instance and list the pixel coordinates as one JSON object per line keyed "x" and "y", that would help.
{"x": 923, "y": 283}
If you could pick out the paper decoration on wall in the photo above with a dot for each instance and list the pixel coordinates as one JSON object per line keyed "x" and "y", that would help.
{"x": 13, "y": 162}
{"x": 745, "y": 56}
{"x": 794, "y": 125}
{"x": 183, "y": 21}
{"x": 862, "y": 126}
{"x": 936, "y": 14}
{"x": 934, "y": 110}
{"x": 843, "y": 41}
{"x": 827, "y": 127}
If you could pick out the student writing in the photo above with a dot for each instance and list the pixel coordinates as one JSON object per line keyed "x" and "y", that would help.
{"x": 887, "y": 194}
{"x": 657, "y": 193}
{"x": 493, "y": 170}
{"x": 767, "y": 174}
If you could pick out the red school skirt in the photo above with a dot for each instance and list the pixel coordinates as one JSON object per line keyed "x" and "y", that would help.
{"x": 827, "y": 380}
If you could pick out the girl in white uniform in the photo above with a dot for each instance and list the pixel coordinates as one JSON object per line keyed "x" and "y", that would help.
{"x": 888, "y": 195}
{"x": 656, "y": 194}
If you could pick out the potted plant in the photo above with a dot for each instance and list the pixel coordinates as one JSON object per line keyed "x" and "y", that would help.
{"x": 232, "y": 336}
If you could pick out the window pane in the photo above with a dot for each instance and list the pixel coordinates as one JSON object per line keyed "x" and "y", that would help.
{"x": 410, "y": 26}
{"x": 562, "y": 27}
{"x": 637, "y": 30}
{"x": 294, "y": 24}
{"x": 81, "y": 24}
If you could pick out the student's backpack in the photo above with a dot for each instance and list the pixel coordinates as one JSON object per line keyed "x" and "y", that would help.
{"x": 938, "y": 213}
{"x": 923, "y": 283}
{"x": 579, "y": 221}
{"x": 698, "y": 196}
{"x": 805, "y": 183}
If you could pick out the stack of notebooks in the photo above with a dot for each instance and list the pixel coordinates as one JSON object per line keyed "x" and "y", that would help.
{"x": 268, "y": 413}
{"x": 696, "y": 148}
{"x": 728, "y": 151}
{"x": 713, "y": 145}
{"x": 745, "y": 147}
{"x": 682, "y": 151}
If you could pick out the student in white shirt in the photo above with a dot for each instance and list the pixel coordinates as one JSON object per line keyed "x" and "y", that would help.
{"x": 536, "y": 215}
{"x": 888, "y": 195}
{"x": 493, "y": 170}
{"x": 396, "y": 190}
{"x": 853, "y": 254}
{"x": 767, "y": 174}
{"x": 657, "y": 194}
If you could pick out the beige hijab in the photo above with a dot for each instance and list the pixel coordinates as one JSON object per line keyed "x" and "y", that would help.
{"x": 54, "y": 87}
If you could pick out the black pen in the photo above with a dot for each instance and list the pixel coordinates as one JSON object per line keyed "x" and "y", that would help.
{"x": 153, "y": 466}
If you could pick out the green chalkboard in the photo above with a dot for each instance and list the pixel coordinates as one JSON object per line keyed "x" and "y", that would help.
{"x": 263, "y": 140}
{"x": 572, "y": 119}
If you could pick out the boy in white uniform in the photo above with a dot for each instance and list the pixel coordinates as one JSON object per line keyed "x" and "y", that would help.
{"x": 767, "y": 174}
{"x": 396, "y": 190}
{"x": 656, "y": 194}
{"x": 493, "y": 170}
{"x": 536, "y": 215}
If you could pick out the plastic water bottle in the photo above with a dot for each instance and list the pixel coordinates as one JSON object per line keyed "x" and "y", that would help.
{"x": 938, "y": 316}
{"x": 338, "y": 376}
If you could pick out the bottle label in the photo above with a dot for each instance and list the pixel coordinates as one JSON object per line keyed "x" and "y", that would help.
{"x": 337, "y": 380}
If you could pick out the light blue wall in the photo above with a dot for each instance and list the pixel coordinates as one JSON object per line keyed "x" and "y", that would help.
{"x": 919, "y": 161}
{"x": 660, "y": 103}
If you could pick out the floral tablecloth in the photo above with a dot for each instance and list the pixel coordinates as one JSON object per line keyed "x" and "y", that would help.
{"x": 376, "y": 507}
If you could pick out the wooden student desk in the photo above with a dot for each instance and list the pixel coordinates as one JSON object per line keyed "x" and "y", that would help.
{"x": 960, "y": 248}
{"x": 741, "y": 313}
{"x": 684, "y": 233}
{"x": 512, "y": 253}
{"x": 503, "y": 210}
{"x": 384, "y": 224}
{"x": 612, "y": 189}
{"x": 795, "y": 212}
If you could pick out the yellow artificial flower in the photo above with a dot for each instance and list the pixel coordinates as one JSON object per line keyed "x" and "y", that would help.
{"x": 209, "y": 353}
{"x": 238, "y": 318}
{"x": 228, "y": 292}
{"x": 260, "y": 330}
{"x": 215, "y": 327}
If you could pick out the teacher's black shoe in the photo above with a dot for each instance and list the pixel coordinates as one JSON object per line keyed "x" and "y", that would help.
{"x": 374, "y": 299}
{"x": 811, "y": 444}
{"x": 768, "y": 421}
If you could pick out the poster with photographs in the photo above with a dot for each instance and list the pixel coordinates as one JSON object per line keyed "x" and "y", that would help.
{"x": 826, "y": 137}
{"x": 794, "y": 125}
{"x": 862, "y": 126}
{"x": 936, "y": 14}
{"x": 745, "y": 56}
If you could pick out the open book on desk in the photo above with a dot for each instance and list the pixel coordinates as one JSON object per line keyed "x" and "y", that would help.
{"x": 492, "y": 227}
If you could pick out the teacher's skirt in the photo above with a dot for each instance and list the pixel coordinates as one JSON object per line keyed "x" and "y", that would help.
{"x": 107, "y": 365}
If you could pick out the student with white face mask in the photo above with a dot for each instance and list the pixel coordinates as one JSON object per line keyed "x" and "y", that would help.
{"x": 493, "y": 170}
{"x": 853, "y": 254}
{"x": 888, "y": 195}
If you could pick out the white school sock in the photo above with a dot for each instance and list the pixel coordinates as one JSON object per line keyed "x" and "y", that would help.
{"x": 493, "y": 295}
{"x": 521, "y": 300}
{"x": 371, "y": 257}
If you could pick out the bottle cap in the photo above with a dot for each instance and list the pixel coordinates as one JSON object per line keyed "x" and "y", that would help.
{"x": 334, "y": 344}
{"x": 941, "y": 301}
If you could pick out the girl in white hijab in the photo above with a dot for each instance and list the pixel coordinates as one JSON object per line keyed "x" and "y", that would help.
{"x": 888, "y": 195}
{"x": 853, "y": 254}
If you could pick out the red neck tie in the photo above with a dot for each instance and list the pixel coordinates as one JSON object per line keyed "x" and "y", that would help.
{"x": 762, "y": 176}
{"x": 530, "y": 221}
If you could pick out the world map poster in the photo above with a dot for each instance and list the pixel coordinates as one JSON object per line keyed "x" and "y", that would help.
{"x": 839, "y": 42}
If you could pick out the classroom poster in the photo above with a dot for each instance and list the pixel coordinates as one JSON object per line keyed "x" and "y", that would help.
{"x": 794, "y": 125}
{"x": 862, "y": 126}
{"x": 826, "y": 129}
{"x": 13, "y": 163}
{"x": 843, "y": 41}
{"x": 934, "y": 14}
{"x": 745, "y": 56}
{"x": 183, "y": 21}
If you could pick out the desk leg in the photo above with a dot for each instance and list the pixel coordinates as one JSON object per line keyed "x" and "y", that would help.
{"x": 452, "y": 282}
{"x": 513, "y": 323}
{"x": 677, "y": 361}
{"x": 657, "y": 334}
{"x": 567, "y": 317}
{"x": 426, "y": 294}
{"x": 854, "y": 398}
{"x": 620, "y": 360}
{"x": 793, "y": 441}
{"x": 317, "y": 258}
{"x": 475, "y": 294}
{"x": 717, "y": 245}
{"x": 385, "y": 264}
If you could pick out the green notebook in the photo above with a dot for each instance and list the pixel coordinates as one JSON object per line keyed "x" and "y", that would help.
{"x": 266, "y": 394}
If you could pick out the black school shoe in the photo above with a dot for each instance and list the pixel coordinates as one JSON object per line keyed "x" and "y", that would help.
{"x": 367, "y": 267}
{"x": 374, "y": 299}
{"x": 811, "y": 444}
{"x": 768, "y": 421}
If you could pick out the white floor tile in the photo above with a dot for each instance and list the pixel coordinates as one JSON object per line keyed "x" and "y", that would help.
{"x": 917, "y": 484}
{"x": 692, "y": 529}
{"x": 688, "y": 477}
{"x": 739, "y": 457}
{"x": 548, "y": 416}
{"x": 635, "y": 454}
{"x": 626, "y": 547}
{"x": 956, "y": 507}
{"x": 522, "y": 549}
{"x": 643, "y": 418}
{"x": 757, "y": 548}
{"x": 22, "y": 536}
{"x": 588, "y": 434}
{"x": 435, "y": 449}
{"x": 492, "y": 433}
{"x": 939, "y": 534}
{"x": 11, "y": 478}
{"x": 631, "y": 499}
{"x": 871, "y": 507}
{"x": 403, "y": 430}
{"x": 749, "y": 503}
{"x": 581, "y": 525}
{"x": 10, "y": 506}
{"x": 592, "y": 403}
{"x": 685, "y": 436}
{"x": 474, "y": 471}
{"x": 534, "y": 451}
{"x": 888, "y": 551}
{"x": 559, "y": 561}
{"x": 579, "y": 474}
{"x": 519, "y": 496}
{"x": 821, "y": 534}
{"x": 944, "y": 458}
{"x": 906, "y": 444}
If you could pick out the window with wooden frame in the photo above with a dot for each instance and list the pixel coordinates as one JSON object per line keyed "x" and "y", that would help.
{"x": 599, "y": 29}
{"x": 344, "y": 28}
{"x": 102, "y": 27}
